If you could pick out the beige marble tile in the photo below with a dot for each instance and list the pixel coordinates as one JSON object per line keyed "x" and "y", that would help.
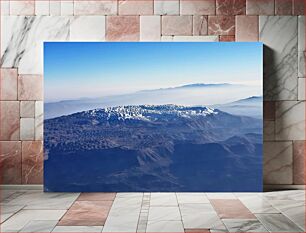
{"x": 39, "y": 226}
{"x": 122, "y": 28}
{"x": 163, "y": 199}
{"x": 150, "y": 28}
{"x": 74, "y": 229}
{"x": 30, "y": 87}
{"x": 164, "y": 213}
{"x": 166, "y": 7}
{"x": 240, "y": 225}
{"x": 39, "y": 120}
{"x": 260, "y": 7}
{"x": 42, "y": 7}
{"x": 22, "y": 7}
{"x": 55, "y": 8}
{"x": 87, "y": 28}
{"x": 269, "y": 130}
{"x": 299, "y": 162}
{"x": 246, "y": 28}
{"x": 66, "y": 7}
{"x": 8, "y": 87}
{"x": 27, "y": 130}
{"x": 135, "y": 7}
{"x": 290, "y": 120}
{"x": 32, "y": 162}
{"x": 301, "y": 47}
{"x": 10, "y": 161}
{"x": 200, "y": 25}
{"x": 203, "y": 7}
{"x": 9, "y": 120}
{"x": 5, "y": 7}
{"x": 27, "y": 109}
{"x": 8, "y": 210}
{"x": 301, "y": 88}
{"x": 277, "y": 161}
{"x": 107, "y": 7}
{"x": 176, "y": 25}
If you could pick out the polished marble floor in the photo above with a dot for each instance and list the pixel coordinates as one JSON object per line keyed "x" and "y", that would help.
{"x": 35, "y": 211}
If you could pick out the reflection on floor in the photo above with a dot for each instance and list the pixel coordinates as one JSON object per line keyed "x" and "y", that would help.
{"x": 35, "y": 211}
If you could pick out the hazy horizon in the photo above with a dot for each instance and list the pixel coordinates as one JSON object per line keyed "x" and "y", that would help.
{"x": 76, "y": 70}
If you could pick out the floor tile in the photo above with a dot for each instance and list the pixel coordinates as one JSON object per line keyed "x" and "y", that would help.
{"x": 122, "y": 218}
{"x": 8, "y": 210}
{"x": 277, "y": 223}
{"x": 297, "y": 195}
{"x": 84, "y": 229}
{"x": 129, "y": 195}
{"x": 191, "y": 198}
{"x": 242, "y": 225}
{"x": 163, "y": 199}
{"x": 257, "y": 205}
{"x": 23, "y": 217}
{"x": 232, "y": 209}
{"x": 40, "y": 200}
{"x": 196, "y": 208}
{"x": 197, "y": 230}
{"x": 39, "y": 226}
{"x": 86, "y": 213}
{"x": 164, "y": 213}
{"x": 294, "y": 210}
{"x": 96, "y": 197}
{"x": 221, "y": 196}
{"x": 165, "y": 226}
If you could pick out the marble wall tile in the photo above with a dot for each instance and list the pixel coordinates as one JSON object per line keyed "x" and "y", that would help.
{"x": 8, "y": 84}
{"x": 283, "y": 7}
{"x": 10, "y": 162}
{"x": 107, "y": 7}
{"x": 278, "y": 163}
{"x": 42, "y": 7}
{"x": 5, "y": 7}
{"x": 246, "y": 28}
{"x": 196, "y": 38}
{"x": 166, "y": 7}
{"x": 32, "y": 162}
{"x": 135, "y": 7}
{"x": 9, "y": 120}
{"x": 279, "y": 35}
{"x": 203, "y": 7}
{"x": 200, "y": 25}
{"x": 39, "y": 120}
{"x": 299, "y": 162}
{"x": 301, "y": 46}
{"x": 150, "y": 28}
{"x": 122, "y": 28}
{"x": 231, "y": 7}
{"x": 301, "y": 89}
{"x": 290, "y": 120}
{"x": 298, "y": 7}
{"x": 221, "y": 25}
{"x": 87, "y": 28}
{"x": 55, "y": 8}
{"x": 269, "y": 110}
{"x": 227, "y": 38}
{"x": 27, "y": 109}
{"x": 22, "y": 40}
{"x": 30, "y": 87}
{"x": 66, "y": 7}
{"x": 27, "y": 129}
{"x": 260, "y": 7}
{"x": 177, "y": 25}
{"x": 22, "y": 7}
{"x": 269, "y": 130}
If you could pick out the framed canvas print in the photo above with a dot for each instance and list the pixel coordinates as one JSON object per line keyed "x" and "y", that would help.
{"x": 172, "y": 116}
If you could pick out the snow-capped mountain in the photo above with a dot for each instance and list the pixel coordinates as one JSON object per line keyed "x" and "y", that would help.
{"x": 150, "y": 112}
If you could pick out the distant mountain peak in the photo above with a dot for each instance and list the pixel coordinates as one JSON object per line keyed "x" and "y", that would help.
{"x": 205, "y": 85}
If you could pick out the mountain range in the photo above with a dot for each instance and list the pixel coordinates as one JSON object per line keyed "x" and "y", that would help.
{"x": 153, "y": 148}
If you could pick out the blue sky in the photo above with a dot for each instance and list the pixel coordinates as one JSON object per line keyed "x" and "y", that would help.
{"x": 89, "y": 69}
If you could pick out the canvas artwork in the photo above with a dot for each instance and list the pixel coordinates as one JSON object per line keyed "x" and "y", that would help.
{"x": 171, "y": 116}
